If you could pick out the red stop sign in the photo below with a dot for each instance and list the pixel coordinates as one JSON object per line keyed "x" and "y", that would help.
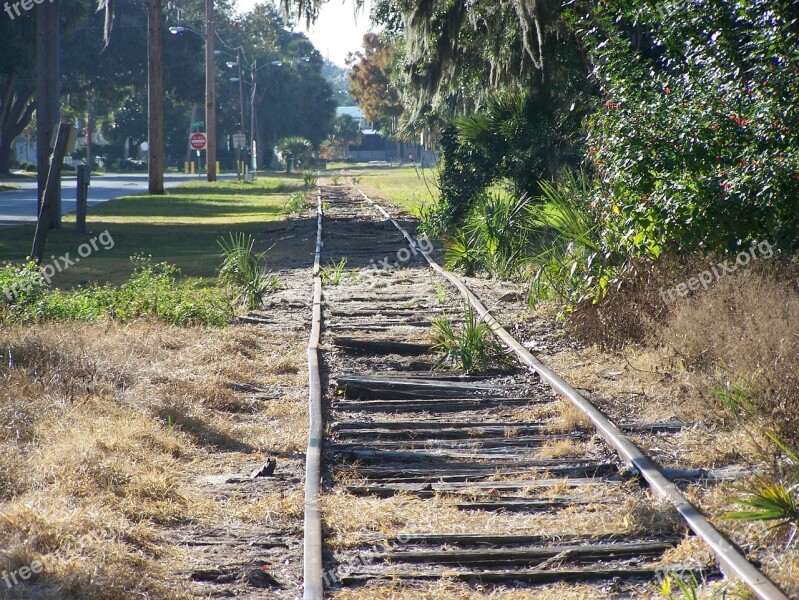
{"x": 197, "y": 141}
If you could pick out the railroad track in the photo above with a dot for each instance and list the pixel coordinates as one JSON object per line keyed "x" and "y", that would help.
{"x": 428, "y": 480}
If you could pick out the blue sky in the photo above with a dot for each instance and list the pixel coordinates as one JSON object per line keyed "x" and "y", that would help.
{"x": 337, "y": 32}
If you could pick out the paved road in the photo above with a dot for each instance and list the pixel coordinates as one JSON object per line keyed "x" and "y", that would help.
{"x": 19, "y": 206}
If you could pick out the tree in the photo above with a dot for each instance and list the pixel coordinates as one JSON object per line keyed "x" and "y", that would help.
{"x": 295, "y": 151}
{"x": 371, "y": 83}
{"x": 17, "y": 84}
{"x": 346, "y": 133}
{"x": 696, "y": 143}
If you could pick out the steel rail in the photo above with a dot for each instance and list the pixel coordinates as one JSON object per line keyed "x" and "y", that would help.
{"x": 313, "y": 588}
{"x": 732, "y": 562}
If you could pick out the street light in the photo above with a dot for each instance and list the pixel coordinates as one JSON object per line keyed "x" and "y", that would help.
{"x": 210, "y": 87}
{"x": 253, "y": 68}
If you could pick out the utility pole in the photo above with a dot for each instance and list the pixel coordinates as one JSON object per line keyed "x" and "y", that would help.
{"x": 48, "y": 94}
{"x": 210, "y": 92}
{"x": 155, "y": 99}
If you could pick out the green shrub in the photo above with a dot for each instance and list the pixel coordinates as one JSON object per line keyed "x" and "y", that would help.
{"x": 151, "y": 291}
{"x": 297, "y": 202}
{"x": 696, "y": 145}
{"x": 20, "y": 288}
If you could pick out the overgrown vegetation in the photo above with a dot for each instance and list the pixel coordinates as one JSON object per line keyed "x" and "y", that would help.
{"x": 154, "y": 290}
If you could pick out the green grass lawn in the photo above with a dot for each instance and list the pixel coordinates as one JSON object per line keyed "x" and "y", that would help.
{"x": 408, "y": 187}
{"x": 181, "y": 227}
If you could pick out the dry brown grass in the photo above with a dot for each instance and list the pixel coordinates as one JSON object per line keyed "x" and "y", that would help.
{"x": 778, "y": 559}
{"x": 349, "y": 519}
{"x": 103, "y": 429}
{"x": 453, "y": 590}
{"x": 744, "y": 332}
{"x": 561, "y": 448}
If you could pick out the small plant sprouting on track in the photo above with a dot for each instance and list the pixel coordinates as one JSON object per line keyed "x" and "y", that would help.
{"x": 775, "y": 500}
{"x": 297, "y": 202}
{"x": 336, "y": 178}
{"x": 736, "y": 398}
{"x": 441, "y": 293}
{"x": 688, "y": 586}
{"x": 242, "y": 273}
{"x": 355, "y": 180}
{"x": 472, "y": 348}
{"x": 333, "y": 272}
{"x": 309, "y": 180}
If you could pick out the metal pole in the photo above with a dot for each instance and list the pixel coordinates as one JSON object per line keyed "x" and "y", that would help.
{"x": 210, "y": 92}
{"x": 253, "y": 157}
{"x": 84, "y": 175}
{"x": 241, "y": 105}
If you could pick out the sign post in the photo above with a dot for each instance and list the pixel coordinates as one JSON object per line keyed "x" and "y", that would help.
{"x": 239, "y": 142}
{"x": 198, "y": 142}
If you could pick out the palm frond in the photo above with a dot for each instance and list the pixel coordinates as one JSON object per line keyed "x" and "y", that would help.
{"x": 108, "y": 24}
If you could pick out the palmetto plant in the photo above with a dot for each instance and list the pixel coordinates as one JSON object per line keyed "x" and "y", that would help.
{"x": 309, "y": 180}
{"x": 494, "y": 236}
{"x": 500, "y": 227}
{"x": 241, "y": 271}
{"x": 573, "y": 263}
{"x": 461, "y": 252}
{"x": 775, "y": 501}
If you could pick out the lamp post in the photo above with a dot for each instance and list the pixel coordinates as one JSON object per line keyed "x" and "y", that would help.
{"x": 240, "y": 79}
{"x": 210, "y": 87}
{"x": 252, "y": 142}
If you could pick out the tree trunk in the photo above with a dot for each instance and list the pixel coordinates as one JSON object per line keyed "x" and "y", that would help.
{"x": 16, "y": 110}
{"x": 155, "y": 100}
{"x": 50, "y": 204}
{"x": 5, "y": 158}
{"x": 48, "y": 86}
{"x": 89, "y": 132}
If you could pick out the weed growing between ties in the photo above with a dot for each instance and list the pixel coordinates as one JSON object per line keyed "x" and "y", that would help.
{"x": 333, "y": 273}
{"x": 470, "y": 347}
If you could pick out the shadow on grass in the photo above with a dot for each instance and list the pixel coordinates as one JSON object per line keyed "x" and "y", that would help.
{"x": 182, "y": 205}
{"x": 192, "y": 247}
{"x": 202, "y": 433}
{"x": 234, "y": 188}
